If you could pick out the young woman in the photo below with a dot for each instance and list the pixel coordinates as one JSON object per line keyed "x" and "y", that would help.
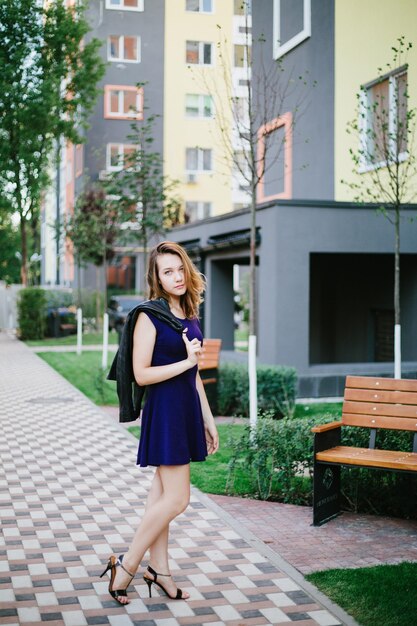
{"x": 177, "y": 424}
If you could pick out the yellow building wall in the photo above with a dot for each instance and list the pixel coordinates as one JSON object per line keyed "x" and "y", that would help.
{"x": 365, "y": 31}
{"x": 181, "y": 132}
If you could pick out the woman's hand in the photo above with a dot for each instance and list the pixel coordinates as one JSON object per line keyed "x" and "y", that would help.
{"x": 193, "y": 348}
{"x": 212, "y": 437}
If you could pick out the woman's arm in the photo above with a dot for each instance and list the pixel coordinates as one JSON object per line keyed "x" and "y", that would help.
{"x": 144, "y": 337}
{"x": 212, "y": 436}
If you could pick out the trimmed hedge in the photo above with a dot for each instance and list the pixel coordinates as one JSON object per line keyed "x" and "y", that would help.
{"x": 31, "y": 305}
{"x": 278, "y": 461}
{"x": 276, "y": 390}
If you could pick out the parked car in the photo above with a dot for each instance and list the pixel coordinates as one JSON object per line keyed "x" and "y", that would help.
{"x": 119, "y": 307}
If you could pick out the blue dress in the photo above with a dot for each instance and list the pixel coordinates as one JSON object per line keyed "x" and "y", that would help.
{"x": 172, "y": 427}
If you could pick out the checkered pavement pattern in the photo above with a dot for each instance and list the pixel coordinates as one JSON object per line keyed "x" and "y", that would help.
{"x": 71, "y": 495}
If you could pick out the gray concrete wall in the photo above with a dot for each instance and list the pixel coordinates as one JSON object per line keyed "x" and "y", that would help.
{"x": 313, "y": 59}
{"x": 149, "y": 25}
{"x": 290, "y": 233}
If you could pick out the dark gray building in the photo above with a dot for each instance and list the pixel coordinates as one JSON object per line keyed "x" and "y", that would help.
{"x": 133, "y": 47}
{"x": 325, "y": 269}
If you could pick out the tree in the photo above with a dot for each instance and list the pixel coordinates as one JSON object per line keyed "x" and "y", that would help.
{"x": 93, "y": 229}
{"x": 140, "y": 189}
{"x": 246, "y": 128}
{"x": 47, "y": 89}
{"x": 9, "y": 246}
{"x": 385, "y": 164}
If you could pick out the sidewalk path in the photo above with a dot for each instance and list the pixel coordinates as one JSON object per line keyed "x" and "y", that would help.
{"x": 350, "y": 540}
{"x": 71, "y": 494}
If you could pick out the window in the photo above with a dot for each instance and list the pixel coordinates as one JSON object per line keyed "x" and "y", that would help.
{"x": 274, "y": 157}
{"x": 198, "y": 105}
{"x": 199, "y": 6}
{"x": 117, "y": 156}
{"x": 123, "y": 102}
{"x": 198, "y": 52}
{"x": 242, "y": 56}
{"x": 197, "y": 211}
{"x": 291, "y": 25}
{"x": 242, "y": 7}
{"x": 198, "y": 159}
{"x": 384, "y": 120}
{"x": 125, "y": 5}
{"x": 123, "y": 48}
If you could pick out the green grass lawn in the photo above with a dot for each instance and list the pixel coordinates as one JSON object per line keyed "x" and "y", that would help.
{"x": 318, "y": 408}
{"x": 384, "y": 595}
{"x": 211, "y": 476}
{"x": 85, "y": 373}
{"x": 89, "y": 339}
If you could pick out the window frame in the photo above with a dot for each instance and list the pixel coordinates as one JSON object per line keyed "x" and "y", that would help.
{"x": 108, "y": 115}
{"x": 200, "y": 160}
{"x": 121, "y": 154}
{"x": 200, "y": 10}
{"x": 246, "y": 5}
{"x": 200, "y": 209}
{"x": 365, "y": 103}
{"x": 201, "y": 107}
{"x": 201, "y": 45}
{"x": 246, "y": 61}
{"x": 121, "y": 47}
{"x": 122, "y": 6}
{"x": 278, "y": 49}
{"x": 286, "y": 121}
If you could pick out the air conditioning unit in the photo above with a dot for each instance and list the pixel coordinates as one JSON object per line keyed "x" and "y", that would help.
{"x": 191, "y": 177}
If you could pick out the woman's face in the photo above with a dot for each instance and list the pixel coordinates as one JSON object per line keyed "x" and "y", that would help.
{"x": 171, "y": 274}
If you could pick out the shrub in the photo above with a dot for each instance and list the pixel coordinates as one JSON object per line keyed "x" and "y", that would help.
{"x": 277, "y": 460}
{"x": 379, "y": 491}
{"x": 59, "y": 298}
{"x": 276, "y": 390}
{"x": 31, "y": 306}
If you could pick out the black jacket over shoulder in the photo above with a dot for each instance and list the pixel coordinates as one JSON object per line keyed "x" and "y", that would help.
{"x": 129, "y": 392}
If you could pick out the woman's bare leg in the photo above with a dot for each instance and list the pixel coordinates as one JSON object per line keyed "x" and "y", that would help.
{"x": 173, "y": 500}
{"x": 158, "y": 551}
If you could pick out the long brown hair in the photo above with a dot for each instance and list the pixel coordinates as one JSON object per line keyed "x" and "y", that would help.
{"x": 194, "y": 280}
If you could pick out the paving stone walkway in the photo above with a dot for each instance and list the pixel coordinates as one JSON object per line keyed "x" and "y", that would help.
{"x": 347, "y": 541}
{"x": 71, "y": 494}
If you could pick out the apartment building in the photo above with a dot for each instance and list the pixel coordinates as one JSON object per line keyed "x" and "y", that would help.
{"x": 186, "y": 56}
{"x": 325, "y": 274}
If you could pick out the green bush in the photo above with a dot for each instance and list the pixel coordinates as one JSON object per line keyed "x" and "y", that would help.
{"x": 278, "y": 461}
{"x": 277, "y": 458}
{"x": 276, "y": 390}
{"x": 379, "y": 491}
{"x": 31, "y": 306}
{"x": 59, "y": 298}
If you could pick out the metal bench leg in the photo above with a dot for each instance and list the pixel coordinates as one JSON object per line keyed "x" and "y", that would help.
{"x": 326, "y": 492}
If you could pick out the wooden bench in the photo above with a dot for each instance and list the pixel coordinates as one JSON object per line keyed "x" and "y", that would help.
{"x": 208, "y": 364}
{"x": 371, "y": 403}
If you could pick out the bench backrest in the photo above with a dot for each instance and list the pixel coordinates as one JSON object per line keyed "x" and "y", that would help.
{"x": 380, "y": 403}
{"x": 210, "y": 354}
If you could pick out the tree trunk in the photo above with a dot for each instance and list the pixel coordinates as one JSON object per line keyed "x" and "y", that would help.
{"x": 252, "y": 265}
{"x": 24, "y": 252}
{"x": 105, "y": 283}
{"x": 79, "y": 297}
{"x": 97, "y": 298}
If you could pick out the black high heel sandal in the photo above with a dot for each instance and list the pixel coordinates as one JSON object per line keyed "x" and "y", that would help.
{"x": 114, "y": 562}
{"x": 149, "y": 582}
